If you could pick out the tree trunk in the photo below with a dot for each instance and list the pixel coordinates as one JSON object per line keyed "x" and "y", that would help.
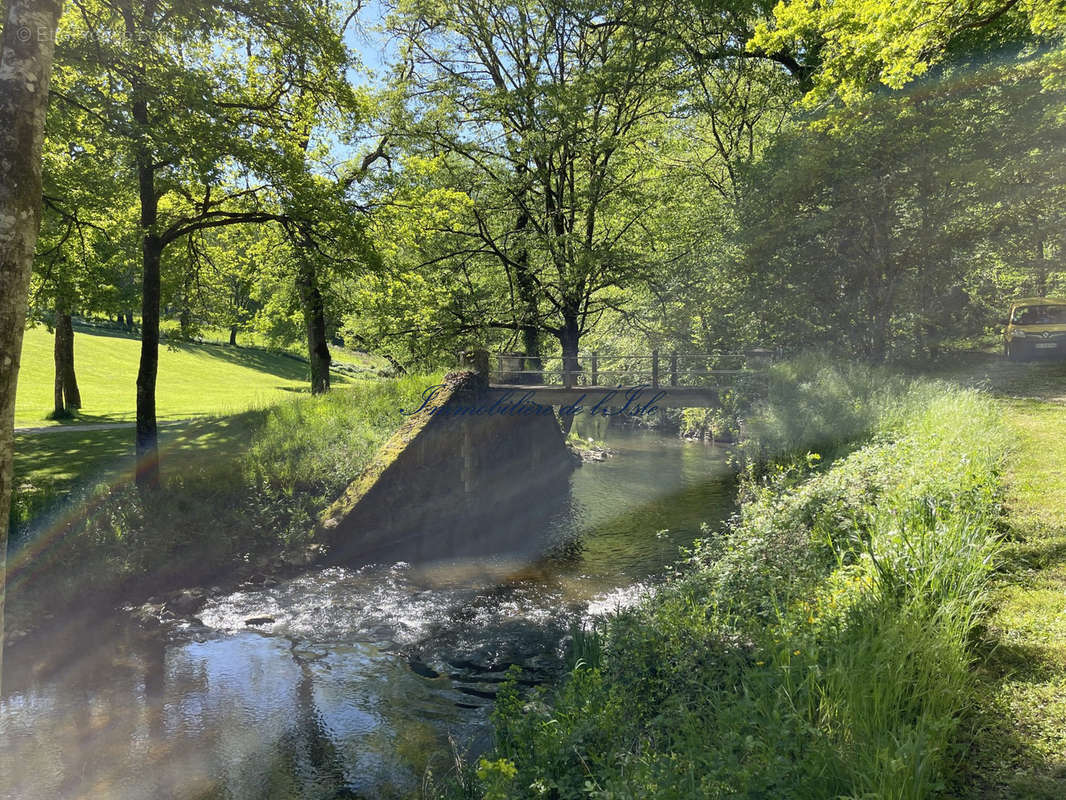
{"x": 185, "y": 324}
{"x": 71, "y": 393}
{"x": 67, "y": 395}
{"x": 232, "y": 335}
{"x": 147, "y": 429}
{"x": 59, "y": 404}
{"x": 527, "y": 298}
{"x": 185, "y": 317}
{"x": 25, "y": 70}
{"x": 530, "y": 330}
{"x": 147, "y": 436}
{"x": 569, "y": 341}
{"x": 1041, "y": 269}
{"x": 127, "y": 320}
{"x": 315, "y": 322}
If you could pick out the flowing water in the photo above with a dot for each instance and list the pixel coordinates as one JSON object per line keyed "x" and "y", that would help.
{"x": 346, "y": 682}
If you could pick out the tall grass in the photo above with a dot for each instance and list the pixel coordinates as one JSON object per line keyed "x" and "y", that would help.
{"x": 810, "y": 403}
{"x": 818, "y": 649}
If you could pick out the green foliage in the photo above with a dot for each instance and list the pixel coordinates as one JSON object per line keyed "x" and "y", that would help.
{"x": 820, "y": 648}
{"x": 864, "y": 42}
{"x": 714, "y": 424}
{"x": 816, "y": 404}
{"x": 893, "y": 226}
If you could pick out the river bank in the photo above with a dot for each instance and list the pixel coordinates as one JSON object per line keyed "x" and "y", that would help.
{"x": 822, "y": 648}
{"x": 238, "y": 503}
{"x": 759, "y": 635}
{"x": 352, "y": 679}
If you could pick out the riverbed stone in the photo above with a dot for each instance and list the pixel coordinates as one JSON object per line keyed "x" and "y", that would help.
{"x": 185, "y": 602}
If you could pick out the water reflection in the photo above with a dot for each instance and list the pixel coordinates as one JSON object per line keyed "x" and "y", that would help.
{"x": 354, "y": 684}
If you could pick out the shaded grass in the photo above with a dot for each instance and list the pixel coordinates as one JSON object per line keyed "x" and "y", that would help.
{"x": 194, "y": 379}
{"x": 49, "y": 466}
{"x": 1018, "y": 745}
{"x": 236, "y": 491}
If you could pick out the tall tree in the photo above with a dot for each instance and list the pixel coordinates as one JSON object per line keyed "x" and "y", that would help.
{"x": 868, "y": 230}
{"x": 188, "y": 92}
{"x": 27, "y": 47}
{"x": 864, "y": 43}
{"x": 548, "y": 116}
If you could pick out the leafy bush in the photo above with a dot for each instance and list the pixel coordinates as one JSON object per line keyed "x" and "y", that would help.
{"x": 818, "y": 649}
{"x": 714, "y": 424}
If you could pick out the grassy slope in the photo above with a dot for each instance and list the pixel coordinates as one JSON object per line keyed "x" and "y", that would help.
{"x": 194, "y": 379}
{"x": 1020, "y": 747}
{"x": 233, "y": 487}
{"x": 820, "y": 648}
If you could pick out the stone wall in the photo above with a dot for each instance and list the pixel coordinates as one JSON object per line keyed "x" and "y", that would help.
{"x": 450, "y": 484}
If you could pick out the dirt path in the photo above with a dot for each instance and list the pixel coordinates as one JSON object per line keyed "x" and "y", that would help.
{"x": 96, "y": 426}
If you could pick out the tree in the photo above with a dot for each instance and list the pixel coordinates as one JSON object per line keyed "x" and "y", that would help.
{"x": 863, "y": 43}
{"x": 187, "y": 93}
{"x": 227, "y": 265}
{"x": 873, "y": 229}
{"x": 26, "y": 51}
{"x": 548, "y": 116}
{"x": 77, "y": 257}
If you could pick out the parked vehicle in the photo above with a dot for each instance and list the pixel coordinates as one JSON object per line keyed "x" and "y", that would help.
{"x": 1036, "y": 327}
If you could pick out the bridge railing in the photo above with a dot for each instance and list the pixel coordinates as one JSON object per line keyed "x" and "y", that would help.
{"x": 603, "y": 369}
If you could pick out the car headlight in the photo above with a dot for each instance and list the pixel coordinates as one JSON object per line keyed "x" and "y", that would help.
{"x": 1018, "y": 334}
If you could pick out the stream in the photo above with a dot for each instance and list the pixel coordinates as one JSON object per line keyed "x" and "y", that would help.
{"x": 351, "y": 682}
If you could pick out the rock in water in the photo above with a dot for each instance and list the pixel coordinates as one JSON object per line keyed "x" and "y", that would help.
{"x": 426, "y": 671}
{"x": 186, "y": 602}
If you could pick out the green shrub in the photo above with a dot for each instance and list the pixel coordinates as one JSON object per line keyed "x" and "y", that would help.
{"x": 812, "y": 404}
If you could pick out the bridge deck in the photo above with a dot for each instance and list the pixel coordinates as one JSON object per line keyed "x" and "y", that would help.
{"x": 588, "y": 396}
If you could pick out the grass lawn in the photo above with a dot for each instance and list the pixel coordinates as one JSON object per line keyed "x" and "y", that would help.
{"x": 102, "y": 455}
{"x": 48, "y": 464}
{"x": 194, "y": 379}
{"x": 1020, "y": 745}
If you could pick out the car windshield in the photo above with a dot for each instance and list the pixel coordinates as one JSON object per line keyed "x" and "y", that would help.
{"x": 1039, "y": 315}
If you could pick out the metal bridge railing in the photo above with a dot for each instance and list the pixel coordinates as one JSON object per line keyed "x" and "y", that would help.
{"x": 676, "y": 369}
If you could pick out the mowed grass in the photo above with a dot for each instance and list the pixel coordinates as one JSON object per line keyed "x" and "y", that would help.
{"x": 105, "y": 454}
{"x": 194, "y": 379}
{"x": 1019, "y": 746}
